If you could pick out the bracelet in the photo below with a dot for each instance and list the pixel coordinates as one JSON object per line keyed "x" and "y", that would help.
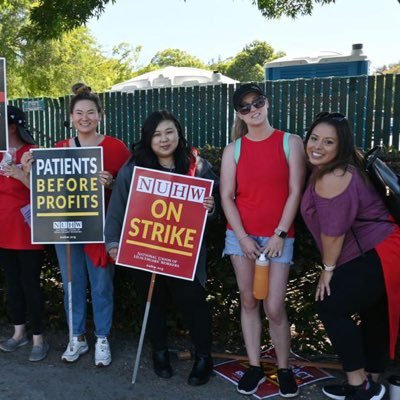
{"x": 245, "y": 236}
{"x": 329, "y": 268}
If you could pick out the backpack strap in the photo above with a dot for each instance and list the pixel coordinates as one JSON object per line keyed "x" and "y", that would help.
{"x": 286, "y": 147}
{"x": 238, "y": 145}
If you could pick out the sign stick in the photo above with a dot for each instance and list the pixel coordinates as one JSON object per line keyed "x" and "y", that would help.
{"x": 144, "y": 325}
{"x": 69, "y": 274}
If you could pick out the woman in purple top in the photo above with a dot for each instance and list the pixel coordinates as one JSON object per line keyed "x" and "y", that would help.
{"x": 360, "y": 251}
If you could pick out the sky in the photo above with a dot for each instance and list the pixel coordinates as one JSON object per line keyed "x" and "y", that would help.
{"x": 218, "y": 29}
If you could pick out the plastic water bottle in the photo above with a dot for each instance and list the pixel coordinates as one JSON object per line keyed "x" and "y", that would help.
{"x": 261, "y": 274}
{"x": 394, "y": 387}
{"x": 8, "y": 159}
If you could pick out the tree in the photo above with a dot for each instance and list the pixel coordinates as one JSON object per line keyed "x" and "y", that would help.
{"x": 248, "y": 65}
{"x": 145, "y": 70}
{"x": 221, "y": 65}
{"x": 170, "y": 57}
{"x": 176, "y": 58}
{"x": 50, "y": 18}
{"x": 123, "y": 61}
{"x": 390, "y": 69}
{"x": 50, "y": 68}
{"x": 290, "y": 8}
{"x": 13, "y": 18}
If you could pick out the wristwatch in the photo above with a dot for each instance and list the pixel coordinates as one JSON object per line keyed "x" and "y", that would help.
{"x": 279, "y": 232}
{"x": 328, "y": 268}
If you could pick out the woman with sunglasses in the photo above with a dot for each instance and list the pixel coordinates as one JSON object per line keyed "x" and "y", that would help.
{"x": 260, "y": 192}
{"x": 360, "y": 251}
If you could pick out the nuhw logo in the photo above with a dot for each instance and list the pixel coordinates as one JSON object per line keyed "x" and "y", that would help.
{"x": 67, "y": 225}
{"x": 175, "y": 190}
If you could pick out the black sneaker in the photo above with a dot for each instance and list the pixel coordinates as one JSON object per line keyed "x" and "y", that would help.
{"x": 338, "y": 392}
{"x": 373, "y": 391}
{"x": 251, "y": 380}
{"x": 287, "y": 383}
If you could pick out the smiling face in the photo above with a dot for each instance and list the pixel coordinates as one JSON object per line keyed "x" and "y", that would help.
{"x": 85, "y": 117}
{"x": 164, "y": 141}
{"x": 322, "y": 145}
{"x": 256, "y": 116}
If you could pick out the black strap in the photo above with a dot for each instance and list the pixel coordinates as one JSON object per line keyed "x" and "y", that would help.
{"x": 77, "y": 142}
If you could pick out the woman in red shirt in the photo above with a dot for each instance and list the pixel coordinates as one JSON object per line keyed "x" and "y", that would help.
{"x": 89, "y": 262}
{"x": 260, "y": 194}
{"x": 20, "y": 260}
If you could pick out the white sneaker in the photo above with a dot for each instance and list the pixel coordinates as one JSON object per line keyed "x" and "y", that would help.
{"x": 102, "y": 356}
{"x": 75, "y": 349}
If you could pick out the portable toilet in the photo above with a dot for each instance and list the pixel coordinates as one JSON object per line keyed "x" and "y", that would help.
{"x": 322, "y": 65}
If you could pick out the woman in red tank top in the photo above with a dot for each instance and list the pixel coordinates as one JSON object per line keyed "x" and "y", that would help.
{"x": 20, "y": 260}
{"x": 260, "y": 193}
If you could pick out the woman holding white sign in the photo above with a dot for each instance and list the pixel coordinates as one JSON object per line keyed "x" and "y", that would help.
{"x": 163, "y": 147}
{"x": 21, "y": 260}
{"x": 89, "y": 262}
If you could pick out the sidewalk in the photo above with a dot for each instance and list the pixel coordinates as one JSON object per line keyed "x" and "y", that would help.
{"x": 51, "y": 379}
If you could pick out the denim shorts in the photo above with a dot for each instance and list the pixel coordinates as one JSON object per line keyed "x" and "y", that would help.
{"x": 232, "y": 247}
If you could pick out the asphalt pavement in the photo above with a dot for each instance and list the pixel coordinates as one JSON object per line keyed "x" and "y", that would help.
{"x": 51, "y": 379}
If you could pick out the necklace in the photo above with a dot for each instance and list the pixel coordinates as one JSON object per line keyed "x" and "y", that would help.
{"x": 170, "y": 167}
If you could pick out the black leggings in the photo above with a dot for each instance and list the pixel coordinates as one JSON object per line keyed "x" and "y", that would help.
{"x": 191, "y": 300}
{"x": 24, "y": 293}
{"x": 358, "y": 287}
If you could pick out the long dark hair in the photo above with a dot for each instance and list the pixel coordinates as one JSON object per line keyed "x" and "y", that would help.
{"x": 143, "y": 155}
{"x": 347, "y": 153}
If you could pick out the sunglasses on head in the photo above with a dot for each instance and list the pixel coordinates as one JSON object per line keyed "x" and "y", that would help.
{"x": 257, "y": 103}
{"x": 328, "y": 116}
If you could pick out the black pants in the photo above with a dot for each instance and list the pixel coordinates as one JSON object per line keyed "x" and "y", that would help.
{"x": 358, "y": 287}
{"x": 191, "y": 301}
{"x": 24, "y": 293}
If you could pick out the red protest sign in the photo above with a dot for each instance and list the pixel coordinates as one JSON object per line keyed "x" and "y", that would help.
{"x": 164, "y": 223}
{"x": 234, "y": 370}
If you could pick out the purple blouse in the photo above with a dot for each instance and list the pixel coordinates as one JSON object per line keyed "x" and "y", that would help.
{"x": 336, "y": 216}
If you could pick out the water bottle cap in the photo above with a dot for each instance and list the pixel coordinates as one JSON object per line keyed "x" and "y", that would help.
{"x": 262, "y": 257}
{"x": 394, "y": 380}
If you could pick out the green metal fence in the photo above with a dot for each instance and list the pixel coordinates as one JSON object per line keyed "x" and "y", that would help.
{"x": 372, "y": 104}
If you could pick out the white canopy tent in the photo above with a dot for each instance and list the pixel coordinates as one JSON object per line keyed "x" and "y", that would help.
{"x": 172, "y": 76}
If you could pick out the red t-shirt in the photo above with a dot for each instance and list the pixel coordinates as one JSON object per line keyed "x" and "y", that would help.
{"x": 15, "y": 233}
{"x": 115, "y": 153}
{"x": 262, "y": 184}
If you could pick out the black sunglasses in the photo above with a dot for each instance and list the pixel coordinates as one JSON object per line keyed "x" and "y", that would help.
{"x": 328, "y": 116}
{"x": 257, "y": 103}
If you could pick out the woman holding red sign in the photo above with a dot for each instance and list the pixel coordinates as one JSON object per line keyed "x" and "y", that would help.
{"x": 163, "y": 147}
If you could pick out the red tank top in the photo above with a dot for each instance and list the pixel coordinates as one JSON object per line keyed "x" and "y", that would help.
{"x": 262, "y": 184}
{"x": 15, "y": 233}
